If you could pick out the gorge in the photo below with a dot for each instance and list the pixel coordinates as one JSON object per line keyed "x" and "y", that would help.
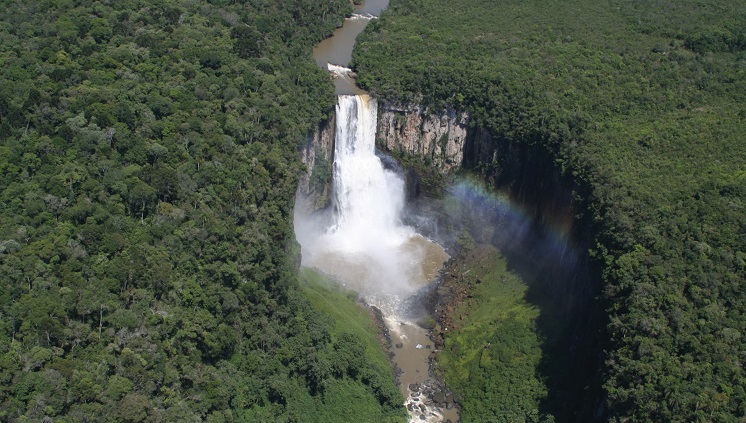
{"x": 343, "y": 210}
{"x": 532, "y": 223}
{"x": 581, "y": 162}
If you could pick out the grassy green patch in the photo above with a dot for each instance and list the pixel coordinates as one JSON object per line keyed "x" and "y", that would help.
{"x": 348, "y": 316}
{"x": 492, "y": 355}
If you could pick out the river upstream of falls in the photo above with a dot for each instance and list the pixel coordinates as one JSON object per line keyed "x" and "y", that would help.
{"x": 366, "y": 248}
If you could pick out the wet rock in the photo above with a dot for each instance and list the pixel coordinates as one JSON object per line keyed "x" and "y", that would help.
{"x": 439, "y": 398}
{"x": 439, "y": 343}
{"x": 414, "y": 387}
{"x": 399, "y": 345}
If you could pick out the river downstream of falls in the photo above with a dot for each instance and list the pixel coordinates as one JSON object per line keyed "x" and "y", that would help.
{"x": 365, "y": 248}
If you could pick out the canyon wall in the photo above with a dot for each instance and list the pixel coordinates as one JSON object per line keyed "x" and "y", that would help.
{"x": 317, "y": 154}
{"x": 437, "y": 138}
{"x": 446, "y": 142}
{"x": 547, "y": 240}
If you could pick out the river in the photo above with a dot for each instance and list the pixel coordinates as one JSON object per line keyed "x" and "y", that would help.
{"x": 366, "y": 248}
{"x": 337, "y": 49}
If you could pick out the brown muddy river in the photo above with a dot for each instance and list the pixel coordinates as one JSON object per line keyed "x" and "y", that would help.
{"x": 337, "y": 49}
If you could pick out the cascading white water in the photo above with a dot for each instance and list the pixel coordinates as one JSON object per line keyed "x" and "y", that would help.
{"x": 368, "y": 199}
{"x": 366, "y": 247}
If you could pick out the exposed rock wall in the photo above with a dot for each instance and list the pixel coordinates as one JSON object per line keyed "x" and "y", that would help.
{"x": 314, "y": 187}
{"x": 445, "y": 141}
{"x": 438, "y": 138}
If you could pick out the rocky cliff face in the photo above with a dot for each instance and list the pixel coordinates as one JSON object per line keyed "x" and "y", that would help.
{"x": 445, "y": 141}
{"x": 314, "y": 187}
{"x": 438, "y": 138}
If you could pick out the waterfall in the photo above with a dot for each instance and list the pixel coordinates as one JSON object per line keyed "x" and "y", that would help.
{"x": 368, "y": 199}
{"x": 366, "y": 247}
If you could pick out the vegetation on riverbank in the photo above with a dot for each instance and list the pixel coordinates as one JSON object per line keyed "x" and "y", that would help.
{"x": 148, "y": 165}
{"x": 643, "y": 106}
{"x": 355, "y": 345}
{"x": 492, "y": 348}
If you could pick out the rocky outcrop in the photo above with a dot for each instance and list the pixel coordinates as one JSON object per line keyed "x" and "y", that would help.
{"x": 317, "y": 154}
{"x": 439, "y": 138}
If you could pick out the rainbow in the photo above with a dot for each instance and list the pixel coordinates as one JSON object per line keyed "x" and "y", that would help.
{"x": 494, "y": 217}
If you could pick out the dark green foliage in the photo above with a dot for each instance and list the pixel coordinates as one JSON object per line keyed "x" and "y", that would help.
{"x": 148, "y": 163}
{"x": 642, "y": 104}
{"x": 353, "y": 353}
{"x": 493, "y": 349}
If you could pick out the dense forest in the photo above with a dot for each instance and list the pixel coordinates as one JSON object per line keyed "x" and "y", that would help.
{"x": 643, "y": 106}
{"x": 148, "y": 165}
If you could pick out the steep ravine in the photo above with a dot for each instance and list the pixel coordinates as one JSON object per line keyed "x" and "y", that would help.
{"x": 551, "y": 250}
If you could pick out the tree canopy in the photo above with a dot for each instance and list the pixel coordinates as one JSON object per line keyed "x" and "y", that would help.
{"x": 642, "y": 104}
{"x": 148, "y": 165}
